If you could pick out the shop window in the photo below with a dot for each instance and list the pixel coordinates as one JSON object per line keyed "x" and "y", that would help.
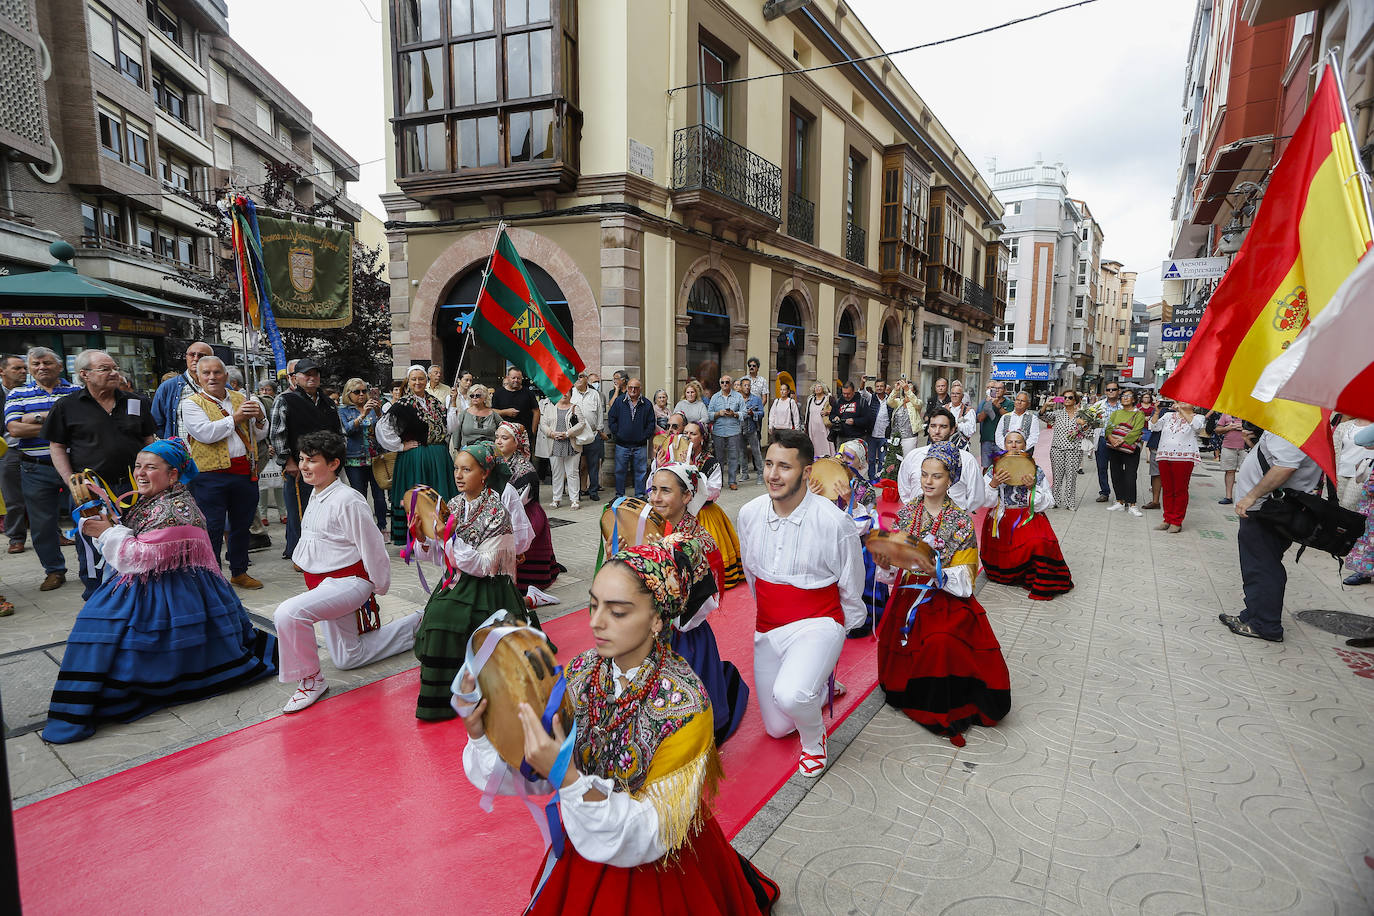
{"x": 708, "y": 333}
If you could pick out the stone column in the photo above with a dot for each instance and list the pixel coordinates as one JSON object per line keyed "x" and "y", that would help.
{"x": 622, "y": 295}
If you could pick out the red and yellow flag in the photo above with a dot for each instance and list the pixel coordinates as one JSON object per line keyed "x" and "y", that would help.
{"x": 1307, "y": 237}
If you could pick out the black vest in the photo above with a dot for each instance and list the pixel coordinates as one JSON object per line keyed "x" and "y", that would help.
{"x": 305, "y": 416}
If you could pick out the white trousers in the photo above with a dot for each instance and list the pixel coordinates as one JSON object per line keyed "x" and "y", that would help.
{"x": 332, "y": 603}
{"x": 566, "y": 475}
{"x": 792, "y": 667}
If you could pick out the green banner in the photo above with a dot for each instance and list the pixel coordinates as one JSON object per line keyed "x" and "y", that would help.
{"x": 309, "y": 273}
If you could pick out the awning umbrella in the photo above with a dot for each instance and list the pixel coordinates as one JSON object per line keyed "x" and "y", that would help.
{"x": 61, "y": 282}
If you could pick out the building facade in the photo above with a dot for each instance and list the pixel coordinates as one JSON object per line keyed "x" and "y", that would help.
{"x": 127, "y": 115}
{"x": 684, "y": 201}
{"x": 1113, "y": 325}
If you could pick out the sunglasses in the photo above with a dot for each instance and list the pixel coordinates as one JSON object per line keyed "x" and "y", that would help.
{"x": 675, "y": 426}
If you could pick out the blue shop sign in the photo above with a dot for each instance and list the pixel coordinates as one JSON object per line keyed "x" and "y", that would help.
{"x": 1005, "y": 371}
{"x": 1172, "y": 333}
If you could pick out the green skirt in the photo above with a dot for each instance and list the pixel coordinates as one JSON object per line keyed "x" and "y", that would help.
{"x": 430, "y": 465}
{"x": 441, "y": 644}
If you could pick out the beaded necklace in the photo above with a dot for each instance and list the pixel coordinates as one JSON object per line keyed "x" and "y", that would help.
{"x": 608, "y": 714}
{"x": 937, "y": 523}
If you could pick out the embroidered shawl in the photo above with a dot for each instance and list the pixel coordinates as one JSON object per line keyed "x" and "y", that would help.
{"x": 432, "y": 411}
{"x": 173, "y": 506}
{"x": 1019, "y": 497}
{"x": 487, "y": 519}
{"x": 168, "y": 532}
{"x": 953, "y": 535}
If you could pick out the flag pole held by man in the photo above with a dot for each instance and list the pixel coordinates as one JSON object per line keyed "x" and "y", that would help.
{"x": 1307, "y": 237}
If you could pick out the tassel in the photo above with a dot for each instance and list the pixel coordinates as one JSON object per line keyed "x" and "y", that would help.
{"x": 679, "y": 798}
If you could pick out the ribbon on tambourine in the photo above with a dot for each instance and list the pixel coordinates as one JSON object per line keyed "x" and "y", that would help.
{"x": 102, "y": 497}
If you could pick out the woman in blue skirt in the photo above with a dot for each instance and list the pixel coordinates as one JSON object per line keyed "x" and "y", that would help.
{"x": 164, "y": 627}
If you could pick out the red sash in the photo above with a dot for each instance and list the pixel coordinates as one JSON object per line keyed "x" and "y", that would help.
{"x": 357, "y": 569}
{"x": 237, "y": 465}
{"x": 779, "y": 605}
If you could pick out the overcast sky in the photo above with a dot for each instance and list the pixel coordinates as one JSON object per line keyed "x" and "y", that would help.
{"x": 1098, "y": 87}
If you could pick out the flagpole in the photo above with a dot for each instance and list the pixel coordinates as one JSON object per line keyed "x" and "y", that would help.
{"x": 1334, "y": 63}
{"x": 236, "y": 233}
{"x": 486, "y": 272}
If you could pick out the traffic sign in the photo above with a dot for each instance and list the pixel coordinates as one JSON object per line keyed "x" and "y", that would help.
{"x": 1194, "y": 268}
{"x": 1174, "y": 333}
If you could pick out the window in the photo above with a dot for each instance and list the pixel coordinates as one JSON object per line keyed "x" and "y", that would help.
{"x": 799, "y": 128}
{"x": 173, "y": 170}
{"x": 906, "y": 200}
{"x": 1082, "y": 271}
{"x": 1011, "y": 290}
{"x": 111, "y": 132}
{"x": 854, "y": 189}
{"x": 264, "y": 116}
{"x": 224, "y": 150}
{"x": 130, "y": 55}
{"x": 145, "y": 234}
{"x": 421, "y": 20}
{"x": 1085, "y": 233}
{"x": 1006, "y": 333}
{"x": 713, "y": 96}
{"x": 1013, "y": 249}
{"x": 422, "y": 79}
{"x": 111, "y": 226}
{"x": 423, "y": 147}
{"x": 170, "y": 96}
{"x": 137, "y": 134}
{"x": 284, "y": 136}
{"x": 1078, "y": 340}
{"x": 89, "y": 221}
{"x": 1079, "y": 306}
{"x": 1016, "y": 208}
{"x": 219, "y": 84}
{"x": 100, "y": 23}
{"x": 162, "y": 18}
{"x": 528, "y": 66}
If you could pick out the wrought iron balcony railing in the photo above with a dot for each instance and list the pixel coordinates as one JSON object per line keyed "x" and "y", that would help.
{"x": 977, "y": 296}
{"x": 801, "y": 218}
{"x": 855, "y": 243}
{"x": 705, "y": 159}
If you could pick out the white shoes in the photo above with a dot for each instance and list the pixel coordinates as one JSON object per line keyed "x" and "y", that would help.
{"x": 1136, "y": 512}
{"x": 307, "y": 692}
{"x": 537, "y": 597}
{"x": 557, "y": 504}
{"x": 574, "y": 506}
{"x": 812, "y": 766}
{"x": 1116, "y": 507}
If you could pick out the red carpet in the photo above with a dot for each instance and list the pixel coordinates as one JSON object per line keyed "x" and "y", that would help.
{"x": 350, "y": 807}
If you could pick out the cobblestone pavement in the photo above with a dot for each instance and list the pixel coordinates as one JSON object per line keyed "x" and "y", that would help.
{"x": 1152, "y": 761}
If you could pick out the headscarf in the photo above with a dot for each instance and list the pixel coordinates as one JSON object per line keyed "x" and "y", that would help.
{"x": 176, "y": 454}
{"x": 519, "y": 463}
{"x": 483, "y": 451}
{"x": 689, "y": 474}
{"x": 854, "y": 455}
{"x": 416, "y": 368}
{"x": 670, "y": 570}
{"x": 949, "y": 456}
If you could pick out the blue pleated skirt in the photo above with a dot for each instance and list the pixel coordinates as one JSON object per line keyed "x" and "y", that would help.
{"x": 141, "y": 645}
{"x": 724, "y": 685}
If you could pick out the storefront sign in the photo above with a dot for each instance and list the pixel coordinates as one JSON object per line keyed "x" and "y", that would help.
{"x": 1006, "y": 371}
{"x": 130, "y": 324}
{"x": 996, "y": 348}
{"x": 81, "y": 321}
{"x": 1186, "y": 314}
{"x": 1178, "y": 332}
{"x": 1195, "y": 268}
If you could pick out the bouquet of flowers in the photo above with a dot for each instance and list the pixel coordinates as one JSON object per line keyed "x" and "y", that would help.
{"x": 1089, "y": 419}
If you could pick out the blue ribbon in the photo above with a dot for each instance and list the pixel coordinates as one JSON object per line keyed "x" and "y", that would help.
{"x": 938, "y": 581}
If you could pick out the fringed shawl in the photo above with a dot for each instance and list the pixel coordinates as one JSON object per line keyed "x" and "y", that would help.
{"x": 167, "y": 532}
{"x": 487, "y": 519}
{"x": 432, "y": 411}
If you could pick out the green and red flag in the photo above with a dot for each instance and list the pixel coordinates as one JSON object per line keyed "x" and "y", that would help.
{"x": 514, "y": 319}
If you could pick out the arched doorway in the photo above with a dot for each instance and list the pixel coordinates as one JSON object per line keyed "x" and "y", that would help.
{"x": 887, "y": 351}
{"x": 791, "y": 337}
{"x": 708, "y": 333}
{"x": 846, "y": 344}
{"x": 486, "y": 365}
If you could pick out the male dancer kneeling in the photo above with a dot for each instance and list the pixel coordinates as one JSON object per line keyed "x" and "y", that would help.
{"x": 345, "y": 562}
{"x": 803, "y": 559}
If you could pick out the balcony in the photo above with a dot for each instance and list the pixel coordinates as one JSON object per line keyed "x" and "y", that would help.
{"x": 178, "y": 62}
{"x": 855, "y": 243}
{"x": 139, "y": 268}
{"x": 801, "y": 218}
{"x": 184, "y": 138}
{"x": 978, "y": 297}
{"x": 727, "y": 185}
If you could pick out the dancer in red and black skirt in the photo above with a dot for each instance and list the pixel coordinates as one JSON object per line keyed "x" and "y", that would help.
{"x": 1019, "y": 546}
{"x": 938, "y": 659}
{"x": 539, "y": 567}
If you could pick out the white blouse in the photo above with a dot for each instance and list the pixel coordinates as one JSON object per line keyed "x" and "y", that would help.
{"x": 337, "y": 530}
{"x": 969, "y": 493}
{"x": 1177, "y": 436}
{"x": 1012, "y": 422}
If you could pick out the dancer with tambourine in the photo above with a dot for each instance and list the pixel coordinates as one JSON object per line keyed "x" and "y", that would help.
{"x": 696, "y": 449}
{"x": 478, "y": 547}
{"x": 1019, "y": 545}
{"x": 938, "y": 659}
{"x": 671, "y": 489}
{"x": 538, "y": 566}
{"x": 843, "y": 478}
{"x": 635, "y": 780}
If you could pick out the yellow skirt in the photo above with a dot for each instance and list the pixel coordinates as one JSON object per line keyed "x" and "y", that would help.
{"x": 714, "y": 519}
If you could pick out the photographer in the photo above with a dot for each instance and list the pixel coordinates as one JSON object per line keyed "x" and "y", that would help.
{"x": 995, "y": 403}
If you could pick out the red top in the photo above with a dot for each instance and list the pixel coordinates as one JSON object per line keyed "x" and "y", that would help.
{"x": 783, "y": 604}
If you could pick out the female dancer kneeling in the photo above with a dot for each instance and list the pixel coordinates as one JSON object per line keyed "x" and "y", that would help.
{"x": 538, "y": 565}
{"x": 940, "y": 663}
{"x": 635, "y": 798}
{"x": 671, "y": 488}
{"x": 1019, "y": 545}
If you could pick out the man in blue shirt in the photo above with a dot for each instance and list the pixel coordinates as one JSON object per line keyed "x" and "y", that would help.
{"x": 750, "y": 426}
{"x": 632, "y": 423}
{"x": 725, "y": 412}
{"x": 45, "y": 493}
{"x": 167, "y": 399}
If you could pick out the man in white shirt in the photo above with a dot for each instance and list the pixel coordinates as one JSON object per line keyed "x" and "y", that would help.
{"x": 877, "y": 440}
{"x": 223, "y": 431}
{"x": 969, "y": 492}
{"x": 1104, "y": 408}
{"x": 591, "y": 407}
{"x": 803, "y": 559}
{"x": 345, "y": 562}
{"x": 1021, "y": 420}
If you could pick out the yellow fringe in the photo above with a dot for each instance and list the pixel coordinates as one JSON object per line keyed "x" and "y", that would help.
{"x": 681, "y": 797}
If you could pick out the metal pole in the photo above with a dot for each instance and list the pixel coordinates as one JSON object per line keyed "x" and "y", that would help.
{"x": 486, "y": 272}
{"x": 235, "y": 235}
{"x": 1334, "y": 63}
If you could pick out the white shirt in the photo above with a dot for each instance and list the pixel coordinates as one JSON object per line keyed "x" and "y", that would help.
{"x": 880, "y": 424}
{"x": 590, "y": 406}
{"x": 815, "y": 546}
{"x": 1351, "y": 459}
{"x": 337, "y": 530}
{"x": 524, "y": 531}
{"x": 198, "y": 425}
{"x": 969, "y": 494}
{"x": 1177, "y": 437}
{"x": 1280, "y": 453}
{"x": 1013, "y": 421}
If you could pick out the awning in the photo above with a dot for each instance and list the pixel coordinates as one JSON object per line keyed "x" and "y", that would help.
{"x": 1009, "y": 370}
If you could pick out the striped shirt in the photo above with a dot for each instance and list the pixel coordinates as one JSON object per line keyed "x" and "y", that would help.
{"x": 33, "y": 398}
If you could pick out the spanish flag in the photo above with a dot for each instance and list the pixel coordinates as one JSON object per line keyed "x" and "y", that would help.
{"x": 1310, "y": 232}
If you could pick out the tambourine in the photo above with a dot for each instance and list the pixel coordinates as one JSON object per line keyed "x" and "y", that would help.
{"x": 92, "y": 496}
{"x": 831, "y": 476}
{"x": 899, "y": 549}
{"x": 1020, "y": 469}
{"x": 426, "y": 512}
{"x": 629, "y": 522}
{"x": 677, "y": 449}
{"x": 520, "y": 669}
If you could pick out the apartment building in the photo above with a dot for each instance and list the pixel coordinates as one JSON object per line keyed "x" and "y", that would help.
{"x": 127, "y": 117}
{"x": 1087, "y": 297}
{"x": 1113, "y": 327}
{"x": 683, "y": 198}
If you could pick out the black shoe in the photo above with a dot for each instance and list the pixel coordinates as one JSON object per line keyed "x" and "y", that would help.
{"x": 1102, "y": 499}
{"x": 1081, "y": 471}
{"x": 1240, "y": 628}
{"x": 594, "y": 497}
{"x": 259, "y": 542}
{"x": 1224, "y": 501}
{"x": 1355, "y": 579}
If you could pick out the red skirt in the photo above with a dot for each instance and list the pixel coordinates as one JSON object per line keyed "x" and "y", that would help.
{"x": 950, "y": 674}
{"x": 1025, "y": 554}
{"x": 705, "y": 877}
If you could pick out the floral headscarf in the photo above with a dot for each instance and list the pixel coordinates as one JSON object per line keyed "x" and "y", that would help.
{"x": 854, "y": 455}
{"x": 519, "y": 463}
{"x": 689, "y": 474}
{"x": 176, "y": 454}
{"x": 949, "y": 456}
{"x": 484, "y": 453}
{"x": 669, "y": 569}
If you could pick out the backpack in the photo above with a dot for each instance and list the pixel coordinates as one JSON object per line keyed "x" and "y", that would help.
{"x": 1311, "y": 520}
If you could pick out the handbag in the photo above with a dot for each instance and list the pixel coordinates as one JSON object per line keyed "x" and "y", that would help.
{"x": 1310, "y": 520}
{"x": 587, "y": 435}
